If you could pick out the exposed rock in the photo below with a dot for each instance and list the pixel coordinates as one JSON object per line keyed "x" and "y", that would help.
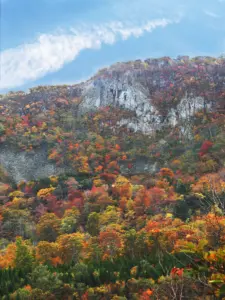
{"x": 22, "y": 165}
{"x": 130, "y": 85}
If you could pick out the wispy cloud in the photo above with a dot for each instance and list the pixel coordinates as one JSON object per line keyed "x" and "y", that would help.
{"x": 51, "y": 51}
{"x": 211, "y": 14}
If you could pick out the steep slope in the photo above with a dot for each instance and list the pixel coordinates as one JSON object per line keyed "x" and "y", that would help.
{"x": 164, "y": 88}
{"x": 136, "y": 206}
{"x": 154, "y": 98}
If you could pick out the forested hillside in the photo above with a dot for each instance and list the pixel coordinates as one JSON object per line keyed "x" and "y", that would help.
{"x": 114, "y": 188}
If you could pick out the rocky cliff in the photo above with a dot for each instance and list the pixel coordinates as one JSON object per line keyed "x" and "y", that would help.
{"x": 159, "y": 92}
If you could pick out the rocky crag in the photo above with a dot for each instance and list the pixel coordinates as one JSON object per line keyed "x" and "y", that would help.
{"x": 159, "y": 93}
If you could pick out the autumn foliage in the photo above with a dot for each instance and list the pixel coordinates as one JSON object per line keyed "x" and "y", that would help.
{"x": 124, "y": 215}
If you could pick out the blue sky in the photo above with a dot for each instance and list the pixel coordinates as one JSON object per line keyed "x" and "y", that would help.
{"x": 46, "y": 42}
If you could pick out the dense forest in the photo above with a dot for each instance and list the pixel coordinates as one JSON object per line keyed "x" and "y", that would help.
{"x": 99, "y": 227}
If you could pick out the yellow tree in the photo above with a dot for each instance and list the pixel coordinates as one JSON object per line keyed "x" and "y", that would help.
{"x": 212, "y": 185}
{"x": 122, "y": 187}
{"x": 70, "y": 246}
{"x": 48, "y": 227}
{"x": 7, "y": 257}
{"x": 47, "y": 252}
{"x": 209, "y": 183}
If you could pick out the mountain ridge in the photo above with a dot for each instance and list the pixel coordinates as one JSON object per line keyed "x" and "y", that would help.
{"x": 135, "y": 85}
{"x": 145, "y": 97}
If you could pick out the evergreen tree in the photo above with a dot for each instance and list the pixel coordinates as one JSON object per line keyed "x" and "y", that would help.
{"x": 24, "y": 258}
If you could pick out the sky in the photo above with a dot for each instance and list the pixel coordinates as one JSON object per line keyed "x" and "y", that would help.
{"x": 50, "y": 42}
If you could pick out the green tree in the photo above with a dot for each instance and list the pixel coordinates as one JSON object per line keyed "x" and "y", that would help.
{"x": 41, "y": 278}
{"x": 17, "y": 222}
{"x": 22, "y": 294}
{"x": 93, "y": 224}
{"x": 70, "y": 220}
{"x": 80, "y": 272}
{"x": 2, "y": 129}
{"x": 24, "y": 258}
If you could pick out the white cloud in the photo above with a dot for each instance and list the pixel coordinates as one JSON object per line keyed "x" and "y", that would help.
{"x": 211, "y": 14}
{"x": 51, "y": 51}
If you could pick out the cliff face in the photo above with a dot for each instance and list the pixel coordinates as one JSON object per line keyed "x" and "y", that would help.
{"x": 138, "y": 86}
{"x": 160, "y": 93}
{"x": 21, "y": 165}
{"x": 134, "y": 96}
